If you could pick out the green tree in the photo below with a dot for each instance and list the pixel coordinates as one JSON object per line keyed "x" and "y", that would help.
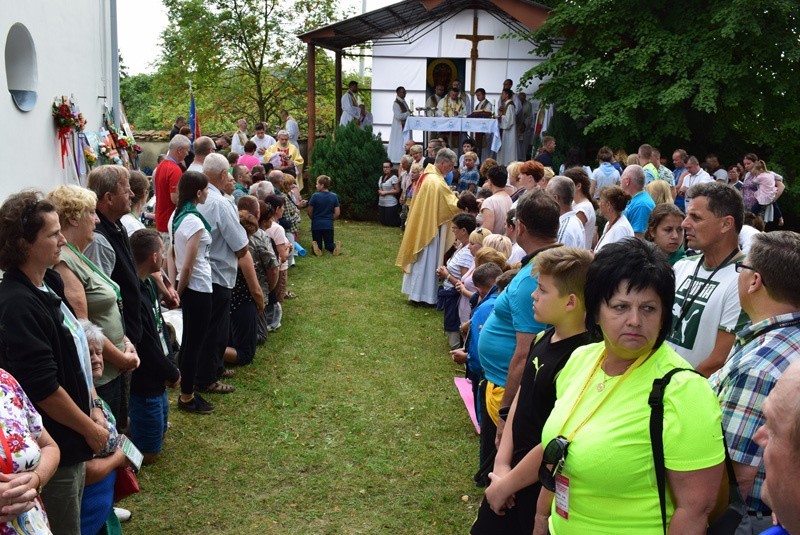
{"x": 352, "y": 158}
{"x": 137, "y": 97}
{"x": 715, "y": 75}
{"x": 243, "y": 58}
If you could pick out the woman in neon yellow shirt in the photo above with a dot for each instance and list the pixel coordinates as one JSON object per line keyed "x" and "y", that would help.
{"x": 598, "y": 459}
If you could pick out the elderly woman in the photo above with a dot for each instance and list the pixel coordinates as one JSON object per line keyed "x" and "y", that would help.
{"x": 408, "y": 193}
{"x": 191, "y": 240}
{"x": 613, "y": 201}
{"x": 596, "y": 453}
{"x": 457, "y": 266}
{"x": 97, "y": 503}
{"x": 90, "y": 292}
{"x": 664, "y": 229}
{"x": 45, "y": 349}
{"x": 285, "y": 157}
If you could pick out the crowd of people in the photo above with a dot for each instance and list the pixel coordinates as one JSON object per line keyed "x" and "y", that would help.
{"x": 572, "y": 299}
{"x": 87, "y": 347}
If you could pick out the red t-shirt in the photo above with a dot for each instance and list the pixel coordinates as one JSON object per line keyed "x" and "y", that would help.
{"x": 166, "y": 178}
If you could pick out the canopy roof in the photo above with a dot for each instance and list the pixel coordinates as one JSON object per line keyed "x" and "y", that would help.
{"x": 407, "y": 21}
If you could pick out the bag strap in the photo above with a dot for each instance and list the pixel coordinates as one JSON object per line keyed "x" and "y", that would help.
{"x": 656, "y": 402}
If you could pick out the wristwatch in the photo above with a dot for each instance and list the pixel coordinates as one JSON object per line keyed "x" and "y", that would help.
{"x": 97, "y": 403}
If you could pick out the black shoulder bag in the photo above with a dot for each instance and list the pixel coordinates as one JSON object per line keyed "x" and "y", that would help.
{"x": 729, "y": 520}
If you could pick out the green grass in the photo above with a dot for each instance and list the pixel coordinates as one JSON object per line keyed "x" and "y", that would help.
{"x": 347, "y": 422}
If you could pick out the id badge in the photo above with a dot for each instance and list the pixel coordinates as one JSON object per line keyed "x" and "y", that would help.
{"x": 562, "y": 496}
{"x": 164, "y": 346}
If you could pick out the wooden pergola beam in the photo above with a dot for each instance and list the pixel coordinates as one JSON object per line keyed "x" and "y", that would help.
{"x": 311, "y": 97}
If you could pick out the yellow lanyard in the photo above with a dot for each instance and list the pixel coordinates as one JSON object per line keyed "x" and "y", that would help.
{"x": 597, "y": 365}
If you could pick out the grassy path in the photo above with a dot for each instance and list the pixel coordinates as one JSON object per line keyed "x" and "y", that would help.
{"x": 347, "y": 422}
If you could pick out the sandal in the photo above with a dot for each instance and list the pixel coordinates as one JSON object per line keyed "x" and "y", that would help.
{"x": 290, "y": 294}
{"x": 217, "y": 387}
{"x": 228, "y": 373}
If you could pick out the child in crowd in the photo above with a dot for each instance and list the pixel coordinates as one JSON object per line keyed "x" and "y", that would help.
{"x": 558, "y": 301}
{"x": 267, "y": 258}
{"x": 763, "y": 186}
{"x": 467, "y": 146}
{"x": 249, "y": 159}
{"x": 323, "y": 208}
{"x": 278, "y": 235}
{"x": 469, "y": 176}
{"x": 148, "y": 406}
{"x": 408, "y": 193}
{"x": 484, "y": 278}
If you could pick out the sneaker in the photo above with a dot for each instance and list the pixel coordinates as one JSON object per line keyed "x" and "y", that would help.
{"x": 197, "y": 405}
{"x": 338, "y": 249}
{"x": 122, "y": 514}
{"x": 316, "y": 249}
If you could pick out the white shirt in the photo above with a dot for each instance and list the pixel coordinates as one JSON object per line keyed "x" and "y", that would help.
{"x": 746, "y": 238}
{"x": 227, "y": 237}
{"x": 517, "y": 254}
{"x": 622, "y": 229}
{"x": 570, "y": 230}
{"x": 264, "y": 143}
{"x": 200, "y": 279}
{"x": 238, "y": 140}
{"x": 715, "y": 308}
{"x": 587, "y": 210}
{"x": 690, "y": 180}
{"x": 131, "y": 223}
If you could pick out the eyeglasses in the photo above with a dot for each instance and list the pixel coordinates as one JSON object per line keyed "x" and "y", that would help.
{"x": 739, "y": 266}
{"x": 555, "y": 454}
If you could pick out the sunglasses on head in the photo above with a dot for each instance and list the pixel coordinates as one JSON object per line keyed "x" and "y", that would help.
{"x": 555, "y": 453}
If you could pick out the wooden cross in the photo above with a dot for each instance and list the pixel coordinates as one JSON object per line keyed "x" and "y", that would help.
{"x": 475, "y": 39}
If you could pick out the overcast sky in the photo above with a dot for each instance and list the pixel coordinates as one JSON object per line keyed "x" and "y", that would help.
{"x": 140, "y": 25}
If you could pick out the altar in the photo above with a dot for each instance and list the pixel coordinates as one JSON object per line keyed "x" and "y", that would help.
{"x": 454, "y": 124}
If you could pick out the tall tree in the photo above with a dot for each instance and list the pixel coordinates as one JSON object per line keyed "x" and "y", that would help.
{"x": 711, "y": 73}
{"x": 243, "y": 57}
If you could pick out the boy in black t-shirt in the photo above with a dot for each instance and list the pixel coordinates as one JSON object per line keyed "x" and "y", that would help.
{"x": 557, "y": 301}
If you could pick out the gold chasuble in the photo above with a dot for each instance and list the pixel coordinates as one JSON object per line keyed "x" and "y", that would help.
{"x": 432, "y": 205}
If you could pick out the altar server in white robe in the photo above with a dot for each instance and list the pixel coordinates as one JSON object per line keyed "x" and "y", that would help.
{"x": 508, "y": 130}
{"x": 400, "y": 112}
{"x": 350, "y": 109}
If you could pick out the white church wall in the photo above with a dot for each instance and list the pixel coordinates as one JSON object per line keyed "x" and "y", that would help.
{"x": 498, "y": 59}
{"x": 72, "y": 43}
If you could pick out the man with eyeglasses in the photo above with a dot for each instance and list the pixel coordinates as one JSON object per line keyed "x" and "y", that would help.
{"x": 706, "y": 314}
{"x": 769, "y": 291}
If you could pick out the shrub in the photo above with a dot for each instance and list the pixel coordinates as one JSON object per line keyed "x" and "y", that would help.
{"x": 352, "y": 157}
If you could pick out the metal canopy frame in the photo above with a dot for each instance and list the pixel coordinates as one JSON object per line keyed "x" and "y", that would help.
{"x": 404, "y": 23}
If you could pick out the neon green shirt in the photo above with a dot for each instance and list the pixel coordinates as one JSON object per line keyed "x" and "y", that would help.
{"x": 612, "y": 487}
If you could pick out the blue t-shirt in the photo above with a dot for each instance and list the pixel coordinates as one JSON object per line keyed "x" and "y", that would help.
{"x": 479, "y": 317}
{"x": 638, "y": 211}
{"x": 449, "y": 178}
{"x": 324, "y": 203}
{"x": 467, "y": 178}
{"x": 513, "y": 313}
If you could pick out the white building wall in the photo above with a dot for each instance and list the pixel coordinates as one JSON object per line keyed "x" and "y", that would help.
{"x": 395, "y": 65}
{"x": 72, "y": 41}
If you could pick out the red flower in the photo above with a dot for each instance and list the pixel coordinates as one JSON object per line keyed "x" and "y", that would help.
{"x": 15, "y": 442}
